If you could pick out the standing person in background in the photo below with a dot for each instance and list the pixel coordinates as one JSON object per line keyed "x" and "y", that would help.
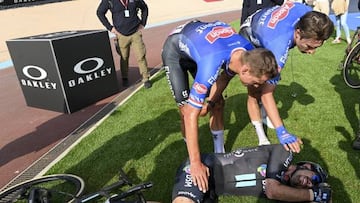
{"x": 250, "y": 6}
{"x": 279, "y": 29}
{"x": 340, "y": 8}
{"x": 322, "y": 6}
{"x": 127, "y": 27}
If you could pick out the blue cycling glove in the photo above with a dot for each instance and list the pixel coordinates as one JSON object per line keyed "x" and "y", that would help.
{"x": 284, "y": 136}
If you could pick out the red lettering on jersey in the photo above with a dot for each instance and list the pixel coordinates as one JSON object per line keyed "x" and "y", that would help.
{"x": 200, "y": 88}
{"x": 219, "y": 32}
{"x": 280, "y": 14}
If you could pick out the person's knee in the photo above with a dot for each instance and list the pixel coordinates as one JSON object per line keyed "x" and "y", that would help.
{"x": 182, "y": 200}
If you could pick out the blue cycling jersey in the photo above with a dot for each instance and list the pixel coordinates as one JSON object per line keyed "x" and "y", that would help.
{"x": 209, "y": 45}
{"x": 273, "y": 28}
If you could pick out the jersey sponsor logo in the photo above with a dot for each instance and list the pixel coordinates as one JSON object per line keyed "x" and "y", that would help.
{"x": 288, "y": 160}
{"x": 200, "y": 29}
{"x": 280, "y": 14}
{"x": 262, "y": 170}
{"x": 186, "y": 169}
{"x": 188, "y": 180}
{"x": 200, "y": 88}
{"x": 219, "y": 32}
{"x": 213, "y": 78}
{"x": 245, "y": 180}
{"x": 239, "y": 153}
{"x": 187, "y": 194}
{"x": 284, "y": 57}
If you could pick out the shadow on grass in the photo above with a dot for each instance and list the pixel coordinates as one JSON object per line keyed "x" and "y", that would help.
{"x": 288, "y": 94}
{"x": 103, "y": 164}
{"x": 345, "y": 145}
{"x": 235, "y": 106}
{"x": 350, "y": 100}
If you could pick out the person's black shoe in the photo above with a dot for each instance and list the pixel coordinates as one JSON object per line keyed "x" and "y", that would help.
{"x": 147, "y": 84}
{"x": 125, "y": 82}
{"x": 356, "y": 143}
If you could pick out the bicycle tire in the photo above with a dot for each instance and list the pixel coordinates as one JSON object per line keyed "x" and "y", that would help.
{"x": 351, "y": 69}
{"x": 67, "y": 185}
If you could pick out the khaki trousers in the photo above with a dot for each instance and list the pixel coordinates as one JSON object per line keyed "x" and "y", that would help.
{"x": 135, "y": 42}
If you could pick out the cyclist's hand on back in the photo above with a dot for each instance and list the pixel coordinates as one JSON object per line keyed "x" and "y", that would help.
{"x": 200, "y": 175}
{"x": 288, "y": 140}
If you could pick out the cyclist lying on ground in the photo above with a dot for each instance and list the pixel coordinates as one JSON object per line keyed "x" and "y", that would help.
{"x": 263, "y": 171}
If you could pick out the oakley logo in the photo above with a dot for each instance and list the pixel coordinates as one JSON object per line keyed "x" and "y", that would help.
{"x": 78, "y": 68}
{"x": 41, "y": 76}
{"x": 37, "y": 78}
{"x": 96, "y": 71}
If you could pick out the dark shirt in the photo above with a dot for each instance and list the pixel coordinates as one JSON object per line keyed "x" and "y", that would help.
{"x": 240, "y": 172}
{"x": 126, "y": 25}
{"x": 250, "y": 6}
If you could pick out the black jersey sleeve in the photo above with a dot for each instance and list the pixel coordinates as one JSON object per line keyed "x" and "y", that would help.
{"x": 279, "y": 161}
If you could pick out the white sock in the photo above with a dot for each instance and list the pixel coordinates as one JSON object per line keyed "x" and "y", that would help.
{"x": 218, "y": 138}
{"x": 260, "y": 133}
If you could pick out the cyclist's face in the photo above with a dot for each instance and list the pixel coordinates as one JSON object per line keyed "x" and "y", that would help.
{"x": 301, "y": 178}
{"x": 307, "y": 46}
{"x": 247, "y": 79}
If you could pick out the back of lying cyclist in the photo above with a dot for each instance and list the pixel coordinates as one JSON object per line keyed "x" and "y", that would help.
{"x": 263, "y": 171}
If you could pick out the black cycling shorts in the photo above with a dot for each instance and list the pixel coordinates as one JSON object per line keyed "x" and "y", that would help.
{"x": 177, "y": 66}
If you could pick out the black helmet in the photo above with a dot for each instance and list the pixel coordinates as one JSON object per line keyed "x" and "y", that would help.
{"x": 321, "y": 174}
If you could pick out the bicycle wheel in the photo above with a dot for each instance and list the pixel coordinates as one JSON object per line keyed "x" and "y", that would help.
{"x": 58, "y": 188}
{"x": 351, "y": 71}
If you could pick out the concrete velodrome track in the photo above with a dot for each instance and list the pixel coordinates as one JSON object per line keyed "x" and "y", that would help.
{"x": 32, "y": 138}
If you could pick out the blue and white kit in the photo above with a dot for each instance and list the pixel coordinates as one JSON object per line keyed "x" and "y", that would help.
{"x": 275, "y": 24}
{"x": 201, "y": 49}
